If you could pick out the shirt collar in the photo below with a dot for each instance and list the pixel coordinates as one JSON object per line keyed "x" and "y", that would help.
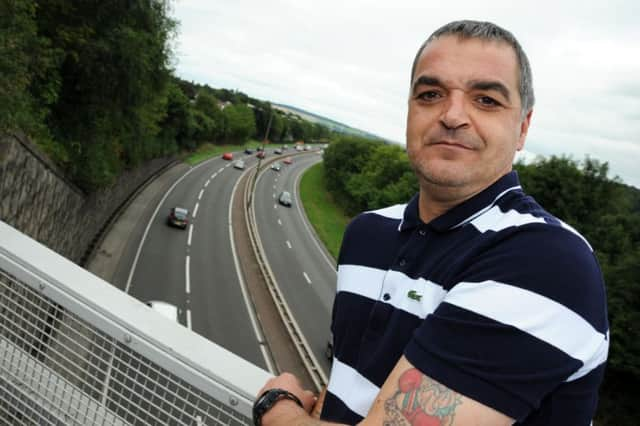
{"x": 465, "y": 211}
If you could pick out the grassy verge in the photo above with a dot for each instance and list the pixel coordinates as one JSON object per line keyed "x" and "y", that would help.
{"x": 208, "y": 150}
{"x": 327, "y": 217}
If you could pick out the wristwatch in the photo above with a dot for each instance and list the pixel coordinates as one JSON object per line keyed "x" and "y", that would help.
{"x": 267, "y": 400}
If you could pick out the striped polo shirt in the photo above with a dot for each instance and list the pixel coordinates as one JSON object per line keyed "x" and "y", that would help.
{"x": 497, "y": 299}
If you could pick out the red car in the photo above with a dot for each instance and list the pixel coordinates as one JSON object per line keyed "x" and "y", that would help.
{"x": 227, "y": 156}
{"x": 287, "y": 160}
{"x": 260, "y": 154}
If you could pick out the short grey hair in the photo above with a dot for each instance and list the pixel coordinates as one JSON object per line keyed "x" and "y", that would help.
{"x": 488, "y": 31}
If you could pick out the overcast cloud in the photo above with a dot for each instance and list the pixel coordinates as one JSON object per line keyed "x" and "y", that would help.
{"x": 350, "y": 61}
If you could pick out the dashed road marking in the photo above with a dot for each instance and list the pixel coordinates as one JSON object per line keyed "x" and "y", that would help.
{"x": 190, "y": 234}
{"x": 195, "y": 210}
{"x": 187, "y": 283}
{"x": 288, "y": 244}
{"x": 306, "y": 277}
{"x": 279, "y": 222}
{"x": 200, "y": 195}
{"x": 207, "y": 183}
{"x": 189, "y": 319}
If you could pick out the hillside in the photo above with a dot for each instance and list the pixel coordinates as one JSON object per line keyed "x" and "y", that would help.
{"x": 331, "y": 124}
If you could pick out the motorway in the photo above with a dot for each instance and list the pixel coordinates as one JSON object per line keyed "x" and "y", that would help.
{"x": 195, "y": 268}
{"x": 305, "y": 275}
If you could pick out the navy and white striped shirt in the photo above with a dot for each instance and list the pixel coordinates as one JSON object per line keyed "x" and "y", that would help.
{"x": 496, "y": 299}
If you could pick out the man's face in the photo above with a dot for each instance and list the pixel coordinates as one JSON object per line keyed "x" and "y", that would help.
{"x": 464, "y": 121}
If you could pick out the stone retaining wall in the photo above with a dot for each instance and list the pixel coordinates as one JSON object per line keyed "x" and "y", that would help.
{"x": 37, "y": 199}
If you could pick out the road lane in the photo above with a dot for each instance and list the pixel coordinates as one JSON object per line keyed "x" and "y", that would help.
{"x": 305, "y": 278}
{"x": 208, "y": 293}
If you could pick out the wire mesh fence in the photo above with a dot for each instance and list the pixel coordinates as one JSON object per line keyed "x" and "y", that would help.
{"x": 56, "y": 368}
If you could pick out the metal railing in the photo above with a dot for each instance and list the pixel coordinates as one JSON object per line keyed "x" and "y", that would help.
{"x": 75, "y": 350}
{"x": 303, "y": 348}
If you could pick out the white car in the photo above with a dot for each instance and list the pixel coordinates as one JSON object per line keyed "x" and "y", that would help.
{"x": 165, "y": 309}
{"x": 238, "y": 165}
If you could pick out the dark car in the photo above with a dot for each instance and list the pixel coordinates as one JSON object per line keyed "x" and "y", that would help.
{"x": 178, "y": 217}
{"x": 248, "y": 151}
{"x": 285, "y": 199}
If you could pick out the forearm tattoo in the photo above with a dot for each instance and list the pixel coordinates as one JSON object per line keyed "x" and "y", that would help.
{"x": 420, "y": 401}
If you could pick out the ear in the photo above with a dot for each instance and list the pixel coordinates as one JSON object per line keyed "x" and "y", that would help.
{"x": 524, "y": 129}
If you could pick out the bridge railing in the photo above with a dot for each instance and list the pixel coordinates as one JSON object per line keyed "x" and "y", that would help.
{"x": 75, "y": 350}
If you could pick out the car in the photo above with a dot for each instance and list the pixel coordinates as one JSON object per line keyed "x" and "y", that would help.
{"x": 179, "y": 217}
{"x": 287, "y": 160}
{"x": 227, "y": 156}
{"x": 239, "y": 164}
{"x": 307, "y": 147}
{"x": 165, "y": 309}
{"x": 299, "y": 148}
{"x": 277, "y": 151}
{"x": 276, "y": 166}
{"x": 260, "y": 154}
{"x": 285, "y": 199}
{"x": 285, "y": 147}
{"x": 248, "y": 151}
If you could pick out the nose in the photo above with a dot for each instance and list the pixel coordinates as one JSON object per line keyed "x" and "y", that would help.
{"x": 454, "y": 114}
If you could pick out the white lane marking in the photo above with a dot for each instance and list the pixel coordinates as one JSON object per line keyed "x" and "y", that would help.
{"x": 200, "y": 195}
{"x": 274, "y": 195}
{"x": 243, "y": 286}
{"x": 190, "y": 233}
{"x": 213, "y": 176}
{"x": 207, "y": 183}
{"x": 189, "y": 319}
{"x": 279, "y": 222}
{"x": 274, "y": 187}
{"x": 195, "y": 210}
{"x": 221, "y": 170}
{"x": 132, "y": 271}
{"x": 306, "y": 277}
{"x": 288, "y": 244}
{"x": 187, "y": 283}
{"x": 276, "y": 179}
{"x": 275, "y": 206}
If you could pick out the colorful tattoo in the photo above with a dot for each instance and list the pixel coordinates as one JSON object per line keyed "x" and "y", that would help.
{"x": 421, "y": 401}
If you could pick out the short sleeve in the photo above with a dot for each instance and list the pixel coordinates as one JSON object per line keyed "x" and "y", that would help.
{"x": 525, "y": 316}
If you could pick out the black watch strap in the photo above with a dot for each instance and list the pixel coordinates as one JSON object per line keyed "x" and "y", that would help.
{"x": 268, "y": 399}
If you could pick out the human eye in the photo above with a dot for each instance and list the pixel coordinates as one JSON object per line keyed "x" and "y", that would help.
{"x": 428, "y": 95}
{"x": 487, "y": 101}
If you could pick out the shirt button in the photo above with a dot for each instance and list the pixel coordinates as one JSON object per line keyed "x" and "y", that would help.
{"x": 402, "y": 262}
{"x": 386, "y": 296}
{"x": 422, "y": 232}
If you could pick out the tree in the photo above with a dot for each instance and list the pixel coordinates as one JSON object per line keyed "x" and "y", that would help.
{"x": 239, "y": 123}
{"x": 114, "y": 72}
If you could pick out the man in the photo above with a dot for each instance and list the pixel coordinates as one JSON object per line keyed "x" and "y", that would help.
{"x": 470, "y": 305}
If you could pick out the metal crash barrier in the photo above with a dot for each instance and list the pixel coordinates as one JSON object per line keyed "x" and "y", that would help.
{"x": 75, "y": 350}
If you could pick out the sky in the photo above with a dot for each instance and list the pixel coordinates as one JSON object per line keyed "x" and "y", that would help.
{"x": 350, "y": 61}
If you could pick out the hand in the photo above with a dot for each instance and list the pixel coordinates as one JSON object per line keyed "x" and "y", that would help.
{"x": 287, "y": 409}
